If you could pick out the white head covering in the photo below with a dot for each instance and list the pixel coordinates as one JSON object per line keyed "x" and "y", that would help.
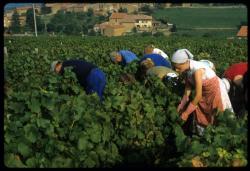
{"x": 208, "y": 63}
{"x": 53, "y": 65}
{"x": 226, "y": 84}
{"x": 181, "y": 56}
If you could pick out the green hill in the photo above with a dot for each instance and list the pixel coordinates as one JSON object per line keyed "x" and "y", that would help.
{"x": 209, "y": 20}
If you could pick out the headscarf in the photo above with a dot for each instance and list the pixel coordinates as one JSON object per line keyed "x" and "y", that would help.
{"x": 181, "y": 56}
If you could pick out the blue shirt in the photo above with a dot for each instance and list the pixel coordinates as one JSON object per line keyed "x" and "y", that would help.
{"x": 127, "y": 56}
{"x": 157, "y": 59}
{"x": 81, "y": 68}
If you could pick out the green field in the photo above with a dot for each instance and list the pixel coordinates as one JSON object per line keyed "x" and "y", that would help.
{"x": 203, "y": 17}
{"x": 50, "y": 122}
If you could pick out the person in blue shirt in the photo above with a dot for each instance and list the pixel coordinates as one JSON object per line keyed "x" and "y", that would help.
{"x": 157, "y": 60}
{"x": 123, "y": 57}
{"x": 89, "y": 76}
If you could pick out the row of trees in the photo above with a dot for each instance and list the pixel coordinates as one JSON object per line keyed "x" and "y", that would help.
{"x": 16, "y": 27}
{"x": 75, "y": 22}
{"x": 62, "y": 22}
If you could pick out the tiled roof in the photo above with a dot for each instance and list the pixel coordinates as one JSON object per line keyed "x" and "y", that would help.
{"x": 242, "y": 32}
{"x": 117, "y": 15}
{"x": 142, "y": 17}
{"x": 23, "y": 8}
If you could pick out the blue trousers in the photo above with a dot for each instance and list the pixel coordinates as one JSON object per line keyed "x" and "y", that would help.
{"x": 96, "y": 82}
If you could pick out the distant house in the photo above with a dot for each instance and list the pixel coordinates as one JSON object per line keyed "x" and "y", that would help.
{"x": 7, "y": 21}
{"x": 242, "y": 33}
{"x": 77, "y": 8}
{"x": 128, "y": 23}
{"x": 143, "y": 22}
{"x": 117, "y": 17}
{"x": 23, "y": 10}
{"x": 125, "y": 23}
{"x": 57, "y": 6}
{"x": 114, "y": 30}
{"x": 100, "y": 27}
{"x": 22, "y": 17}
{"x": 130, "y": 7}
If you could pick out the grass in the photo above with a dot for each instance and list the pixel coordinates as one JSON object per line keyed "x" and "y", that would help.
{"x": 203, "y": 17}
{"x": 207, "y": 33}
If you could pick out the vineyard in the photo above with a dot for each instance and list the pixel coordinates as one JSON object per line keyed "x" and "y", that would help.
{"x": 49, "y": 121}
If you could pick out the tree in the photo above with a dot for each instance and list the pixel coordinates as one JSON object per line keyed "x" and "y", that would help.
{"x": 160, "y": 5}
{"x": 90, "y": 12}
{"x": 174, "y": 28}
{"x": 164, "y": 20}
{"x": 72, "y": 27}
{"x": 84, "y": 29}
{"x": 15, "y": 24}
{"x": 134, "y": 30}
{"x": 30, "y": 22}
{"x": 159, "y": 34}
{"x": 50, "y": 27}
{"x": 146, "y": 33}
{"x": 92, "y": 33}
{"x": 40, "y": 24}
{"x": 146, "y": 8}
{"x": 45, "y": 10}
{"x": 125, "y": 10}
{"x": 101, "y": 18}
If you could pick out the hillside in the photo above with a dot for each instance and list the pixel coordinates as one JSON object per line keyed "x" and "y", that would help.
{"x": 186, "y": 18}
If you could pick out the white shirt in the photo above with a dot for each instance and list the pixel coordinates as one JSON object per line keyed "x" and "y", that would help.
{"x": 160, "y": 52}
{"x": 195, "y": 65}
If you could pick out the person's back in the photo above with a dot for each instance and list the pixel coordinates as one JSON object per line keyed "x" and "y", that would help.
{"x": 80, "y": 67}
{"x": 157, "y": 59}
{"x": 123, "y": 57}
{"x": 234, "y": 76}
{"x": 127, "y": 56}
{"x": 235, "y": 70}
{"x": 89, "y": 76}
{"x": 160, "y": 71}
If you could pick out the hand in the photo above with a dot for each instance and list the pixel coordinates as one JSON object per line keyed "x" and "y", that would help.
{"x": 184, "y": 116}
{"x": 191, "y": 107}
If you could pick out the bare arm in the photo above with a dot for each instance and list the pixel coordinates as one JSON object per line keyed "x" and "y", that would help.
{"x": 198, "y": 86}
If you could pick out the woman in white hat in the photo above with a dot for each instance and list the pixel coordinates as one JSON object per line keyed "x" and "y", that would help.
{"x": 210, "y": 93}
